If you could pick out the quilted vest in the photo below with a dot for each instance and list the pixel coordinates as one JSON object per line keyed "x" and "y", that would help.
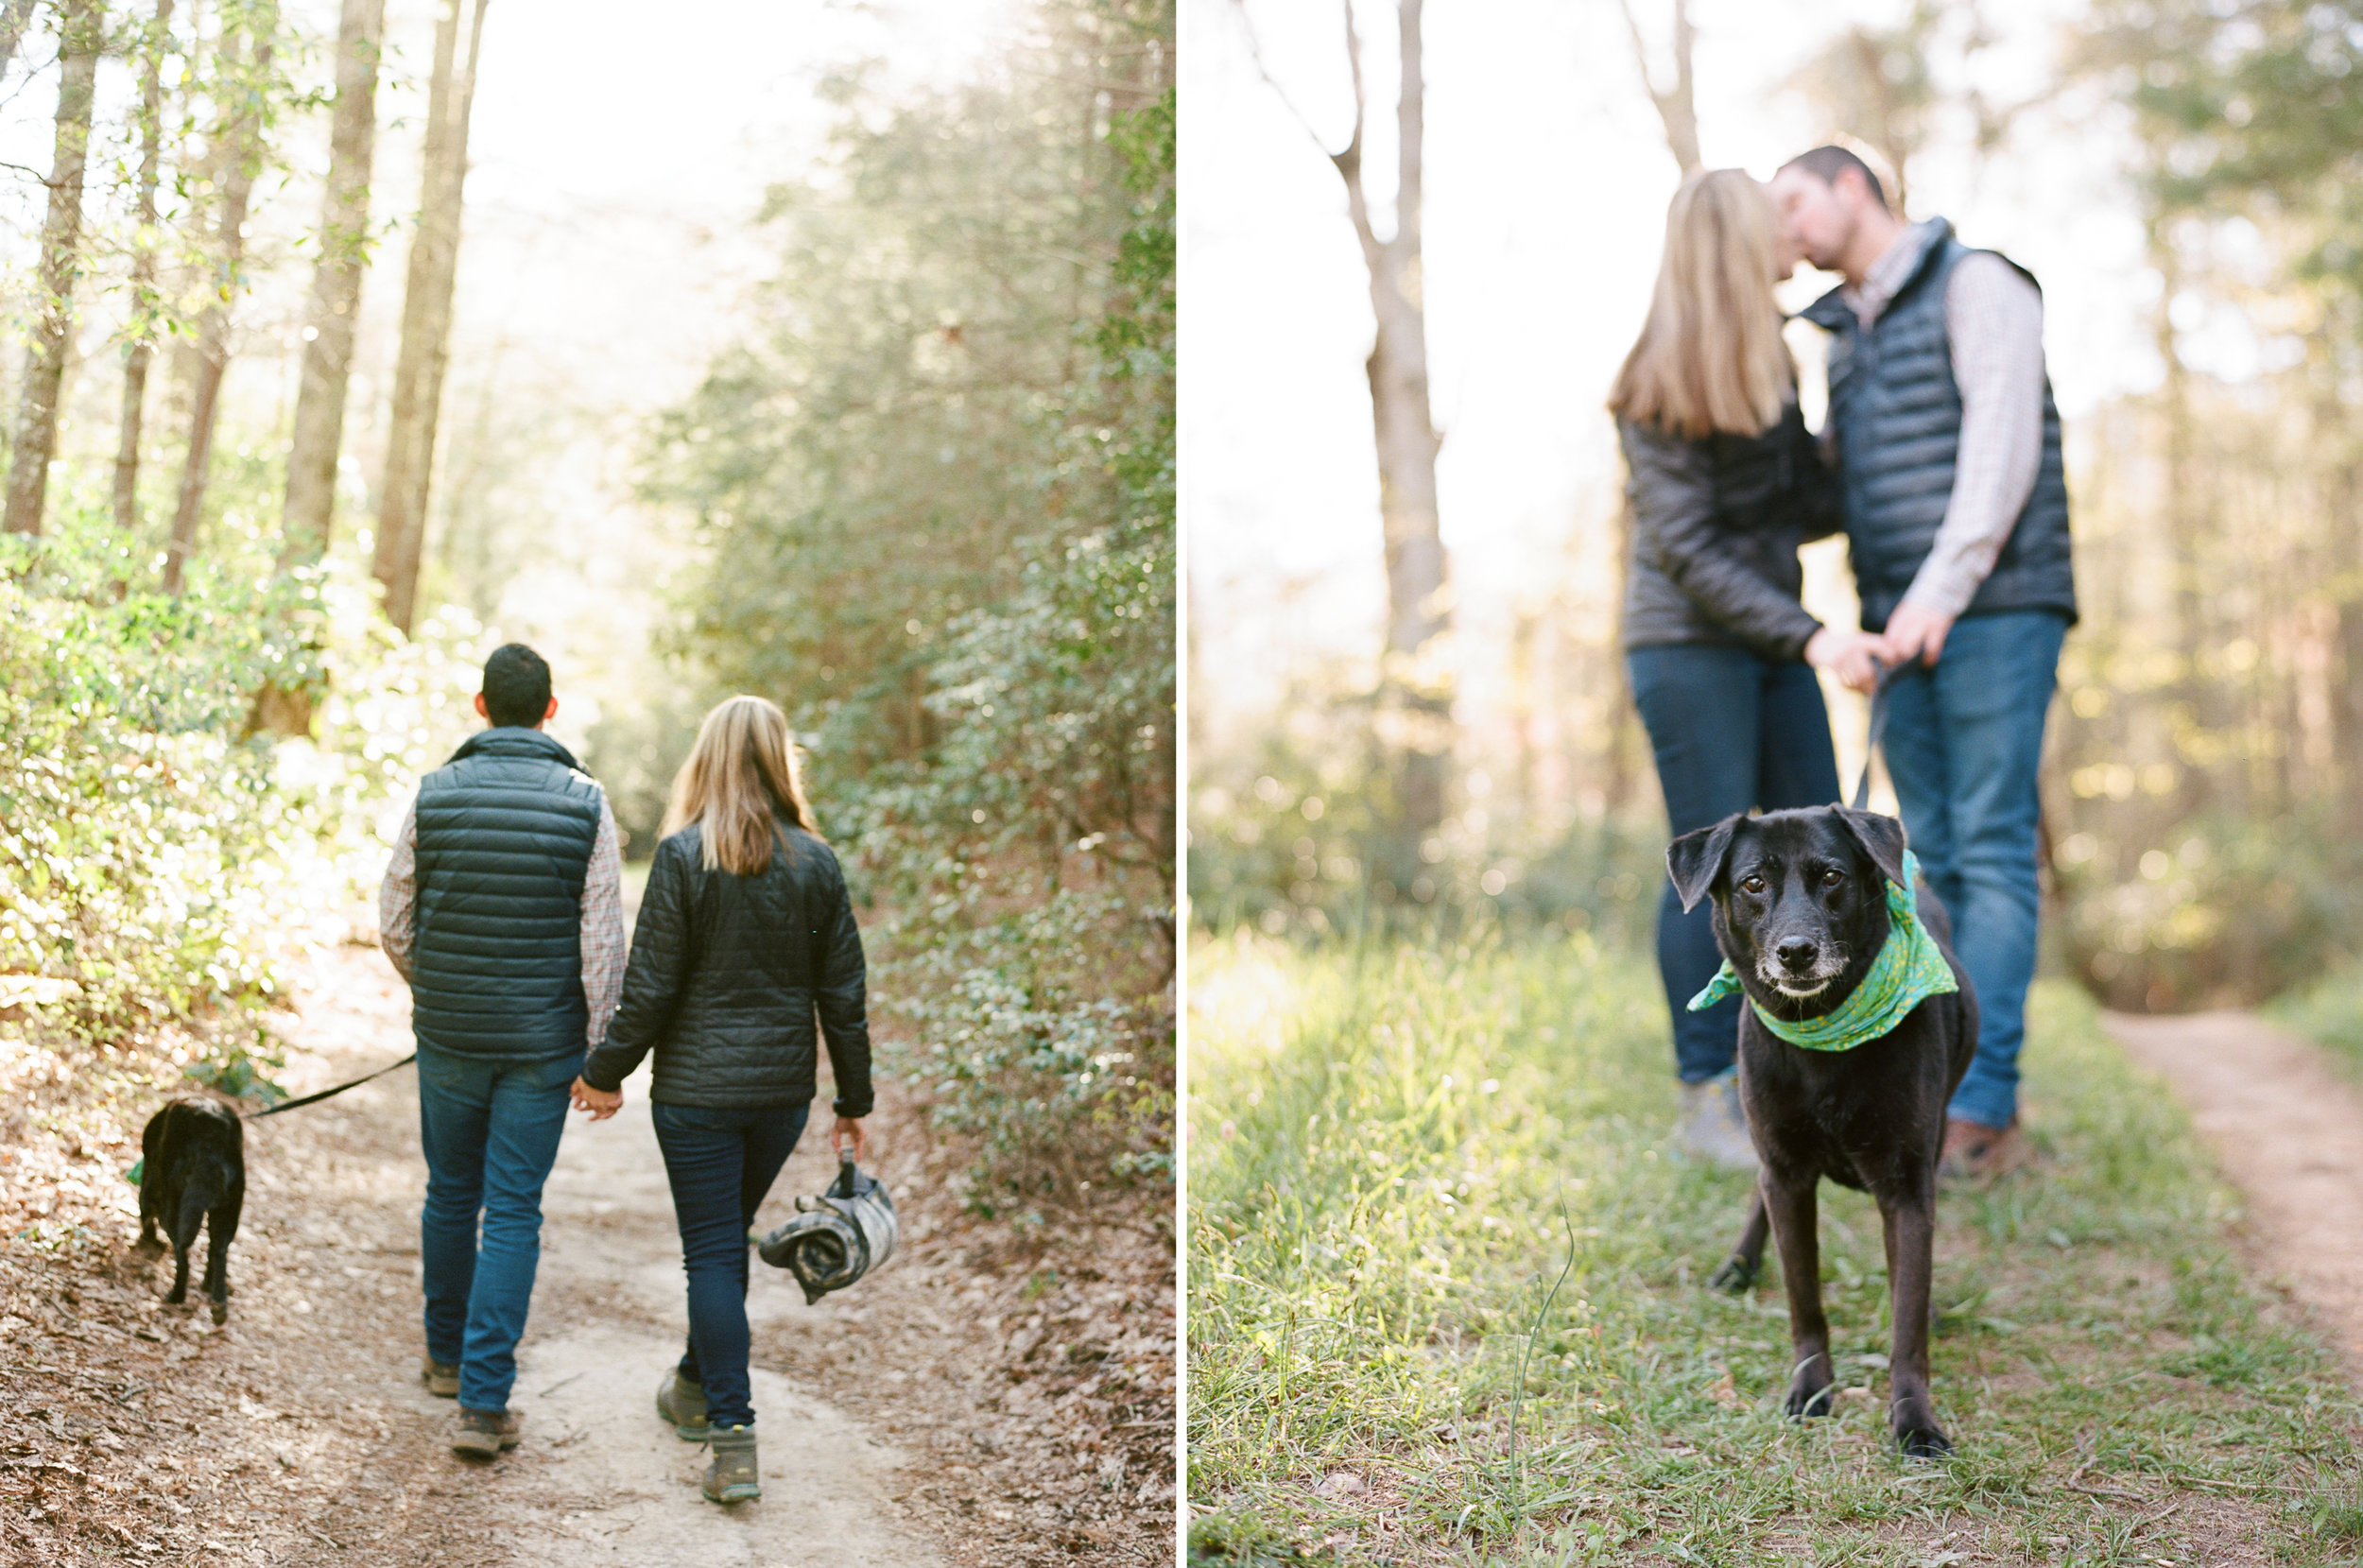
{"x": 505, "y": 834}
{"x": 1897, "y": 414}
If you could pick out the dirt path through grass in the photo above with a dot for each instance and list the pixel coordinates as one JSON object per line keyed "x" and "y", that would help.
{"x": 2287, "y": 1130}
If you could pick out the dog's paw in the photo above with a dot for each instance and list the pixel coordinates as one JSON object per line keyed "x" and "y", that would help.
{"x": 148, "y": 1243}
{"x": 221, "y": 1313}
{"x": 1807, "y": 1401}
{"x": 1737, "y": 1276}
{"x": 1924, "y": 1442}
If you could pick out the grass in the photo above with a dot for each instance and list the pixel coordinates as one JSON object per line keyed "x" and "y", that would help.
{"x": 2329, "y": 1013}
{"x": 1431, "y": 1197}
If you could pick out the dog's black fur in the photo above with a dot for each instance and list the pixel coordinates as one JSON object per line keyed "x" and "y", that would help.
{"x": 193, "y": 1173}
{"x": 1800, "y": 912}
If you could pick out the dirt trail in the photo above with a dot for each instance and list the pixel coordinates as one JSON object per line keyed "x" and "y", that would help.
{"x": 984, "y": 1399}
{"x": 2288, "y": 1132}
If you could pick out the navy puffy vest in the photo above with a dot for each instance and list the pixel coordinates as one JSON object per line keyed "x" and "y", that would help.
{"x": 1896, "y": 411}
{"x": 505, "y": 834}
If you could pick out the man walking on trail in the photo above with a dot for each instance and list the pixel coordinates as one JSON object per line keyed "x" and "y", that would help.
{"x": 1956, "y": 520}
{"x": 503, "y": 909}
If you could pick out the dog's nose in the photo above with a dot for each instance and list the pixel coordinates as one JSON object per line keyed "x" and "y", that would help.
{"x": 1797, "y": 957}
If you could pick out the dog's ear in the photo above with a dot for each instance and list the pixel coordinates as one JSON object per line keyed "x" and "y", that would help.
{"x": 1881, "y": 838}
{"x": 1696, "y": 859}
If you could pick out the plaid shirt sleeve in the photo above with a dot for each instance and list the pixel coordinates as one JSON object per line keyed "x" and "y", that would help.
{"x": 1993, "y": 322}
{"x": 397, "y": 896}
{"x": 603, "y": 928}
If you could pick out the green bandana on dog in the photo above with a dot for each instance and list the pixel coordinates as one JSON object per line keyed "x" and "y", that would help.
{"x": 1910, "y": 968}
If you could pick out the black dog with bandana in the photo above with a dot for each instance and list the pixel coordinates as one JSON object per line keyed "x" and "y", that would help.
{"x": 1821, "y": 925}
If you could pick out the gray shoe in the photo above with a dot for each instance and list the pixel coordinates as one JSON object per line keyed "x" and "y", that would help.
{"x": 682, "y": 1405}
{"x": 731, "y": 1478}
{"x": 443, "y": 1377}
{"x": 1714, "y": 1127}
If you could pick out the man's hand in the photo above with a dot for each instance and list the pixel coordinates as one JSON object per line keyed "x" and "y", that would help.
{"x": 1916, "y": 632}
{"x": 600, "y": 1103}
{"x": 1852, "y": 656}
{"x": 849, "y": 1129}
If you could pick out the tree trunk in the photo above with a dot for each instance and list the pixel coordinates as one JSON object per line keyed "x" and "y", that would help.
{"x": 319, "y": 415}
{"x": 244, "y": 70}
{"x": 82, "y": 26}
{"x": 143, "y": 296}
{"x": 1415, "y": 725}
{"x": 13, "y": 19}
{"x": 1676, "y": 108}
{"x": 426, "y": 318}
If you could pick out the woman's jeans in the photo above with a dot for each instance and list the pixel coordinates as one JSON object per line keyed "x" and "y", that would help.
{"x": 1732, "y": 729}
{"x": 722, "y": 1163}
{"x": 1963, "y": 744}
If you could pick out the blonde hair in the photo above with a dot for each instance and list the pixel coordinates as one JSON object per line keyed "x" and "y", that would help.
{"x": 1711, "y": 356}
{"x": 739, "y": 783}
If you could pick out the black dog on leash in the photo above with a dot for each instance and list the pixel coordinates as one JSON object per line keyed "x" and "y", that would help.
{"x": 1859, "y": 1025}
{"x": 192, "y": 1173}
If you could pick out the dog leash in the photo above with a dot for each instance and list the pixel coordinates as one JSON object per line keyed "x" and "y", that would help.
{"x": 1886, "y": 677}
{"x": 329, "y": 1093}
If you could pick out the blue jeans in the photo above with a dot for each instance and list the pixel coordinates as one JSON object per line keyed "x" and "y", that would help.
{"x": 490, "y": 1130}
{"x": 1963, "y": 741}
{"x": 720, "y": 1165}
{"x": 1732, "y": 729}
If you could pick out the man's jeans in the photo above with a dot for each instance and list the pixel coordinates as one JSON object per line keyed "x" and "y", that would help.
{"x": 720, "y": 1165}
{"x": 491, "y": 1133}
{"x": 1963, "y": 742}
{"x": 1731, "y": 729}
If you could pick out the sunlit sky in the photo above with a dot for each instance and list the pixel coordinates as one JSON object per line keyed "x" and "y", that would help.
{"x": 1547, "y": 177}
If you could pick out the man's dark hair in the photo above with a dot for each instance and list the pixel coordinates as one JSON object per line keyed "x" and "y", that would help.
{"x": 516, "y": 686}
{"x": 1826, "y": 164}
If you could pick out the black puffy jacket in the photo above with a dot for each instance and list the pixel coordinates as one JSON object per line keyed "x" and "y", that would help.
{"x": 1715, "y": 526}
{"x": 727, "y": 972}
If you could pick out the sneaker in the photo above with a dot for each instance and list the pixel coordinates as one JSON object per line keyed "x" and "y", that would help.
{"x": 443, "y": 1377}
{"x": 484, "y": 1433}
{"x": 731, "y": 1478}
{"x": 1714, "y": 1127}
{"x": 1978, "y": 1154}
{"x": 682, "y": 1404}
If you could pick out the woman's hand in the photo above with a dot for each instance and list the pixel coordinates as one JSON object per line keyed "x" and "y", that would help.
{"x": 600, "y": 1103}
{"x": 849, "y": 1128}
{"x": 1852, "y": 656}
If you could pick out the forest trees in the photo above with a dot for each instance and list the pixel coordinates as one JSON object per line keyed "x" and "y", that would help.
{"x": 937, "y": 487}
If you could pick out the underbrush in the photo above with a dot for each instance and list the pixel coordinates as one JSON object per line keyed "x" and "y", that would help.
{"x": 1447, "y": 1303}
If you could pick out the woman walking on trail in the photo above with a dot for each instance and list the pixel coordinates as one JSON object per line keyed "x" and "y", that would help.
{"x": 745, "y": 934}
{"x": 1725, "y": 484}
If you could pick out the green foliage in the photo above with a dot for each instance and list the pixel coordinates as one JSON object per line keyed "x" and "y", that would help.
{"x": 937, "y": 483}
{"x": 159, "y": 855}
{"x": 1389, "y": 1147}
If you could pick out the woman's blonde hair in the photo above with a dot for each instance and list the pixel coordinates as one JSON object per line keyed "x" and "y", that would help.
{"x": 739, "y": 783}
{"x": 1711, "y": 356}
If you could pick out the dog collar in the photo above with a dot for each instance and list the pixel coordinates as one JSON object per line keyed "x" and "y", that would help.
{"x": 1910, "y": 968}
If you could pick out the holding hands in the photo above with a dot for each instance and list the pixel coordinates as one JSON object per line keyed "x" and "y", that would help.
{"x": 1857, "y": 657}
{"x": 600, "y": 1103}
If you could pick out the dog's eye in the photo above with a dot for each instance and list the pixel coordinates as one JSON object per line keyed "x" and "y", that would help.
{"x": 1832, "y": 877}
{"x": 1752, "y": 884}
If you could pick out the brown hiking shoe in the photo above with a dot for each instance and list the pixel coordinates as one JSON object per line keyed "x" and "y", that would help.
{"x": 484, "y": 1433}
{"x": 682, "y": 1404}
{"x": 1975, "y": 1152}
{"x": 443, "y": 1377}
{"x": 731, "y": 1478}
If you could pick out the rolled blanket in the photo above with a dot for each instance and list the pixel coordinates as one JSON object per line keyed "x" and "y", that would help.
{"x": 837, "y": 1237}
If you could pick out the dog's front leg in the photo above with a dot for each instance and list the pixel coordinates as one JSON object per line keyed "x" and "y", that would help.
{"x": 1739, "y": 1271}
{"x": 1910, "y": 1224}
{"x": 1790, "y": 1204}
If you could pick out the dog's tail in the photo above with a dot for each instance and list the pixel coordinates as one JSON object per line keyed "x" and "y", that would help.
{"x": 204, "y": 1185}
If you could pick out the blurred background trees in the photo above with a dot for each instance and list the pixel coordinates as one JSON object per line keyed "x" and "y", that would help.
{"x": 2205, "y": 780}
{"x": 894, "y": 446}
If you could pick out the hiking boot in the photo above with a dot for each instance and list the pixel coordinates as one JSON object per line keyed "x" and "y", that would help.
{"x": 1978, "y": 1154}
{"x": 484, "y": 1433}
{"x": 731, "y": 1478}
{"x": 1714, "y": 1127}
{"x": 443, "y": 1377}
{"x": 682, "y": 1404}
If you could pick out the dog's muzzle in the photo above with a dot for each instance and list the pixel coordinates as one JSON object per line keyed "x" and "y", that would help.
{"x": 837, "y": 1236}
{"x": 1800, "y": 971}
